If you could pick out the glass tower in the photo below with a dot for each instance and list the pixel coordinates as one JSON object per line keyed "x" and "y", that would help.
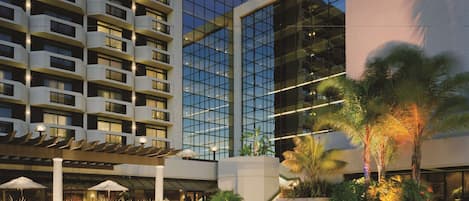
{"x": 258, "y": 72}
{"x": 208, "y": 77}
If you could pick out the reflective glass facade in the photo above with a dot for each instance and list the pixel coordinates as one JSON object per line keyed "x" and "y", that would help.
{"x": 208, "y": 77}
{"x": 258, "y": 72}
{"x": 309, "y": 45}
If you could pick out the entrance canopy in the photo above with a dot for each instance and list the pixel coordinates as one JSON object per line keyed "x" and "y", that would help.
{"x": 40, "y": 151}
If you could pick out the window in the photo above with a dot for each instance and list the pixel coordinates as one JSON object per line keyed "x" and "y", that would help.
{"x": 160, "y": 144}
{"x": 115, "y": 139}
{"x": 109, "y": 94}
{"x": 115, "y": 107}
{"x": 160, "y": 115}
{"x": 5, "y": 111}
{"x": 160, "y": 57}
{"x": 6, "y": 89}
{"x": 115, "y": 43}
{"x": 156, "y": 103}
{"x": 115, "y": 11}
{"x": 61, "y": 28}
{"x": 58, "y": 84}
{"x": 157, "y": 73}
{"x": 109, "y": 125}
{"x": 6, "y": 127}
{"x": 110, "y": 61}
{"x": 116, "y": 76}
{"x": 161, "y": 86}
{"x": 61, "y": 132}
{"x": 156, "y": 131}
{"x": 60, "y": 63}
{"x": 7, "y": 51}
{"x": 109, "y": 29}
{"x": 155, "y": 43}
{"x": 7, "y": 13}
{"x": 5, "y": 74}
{"x": 58, "y": 49}
{"x": 156, "y": 14}
{"x": 65, "y": 99}
{"x": 57, "y": 119}
{"x": 158, "y": 26}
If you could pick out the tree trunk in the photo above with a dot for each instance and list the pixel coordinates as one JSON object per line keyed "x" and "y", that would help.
{"x": 417, "y": 157}
{"x": 381, "y": 163}
{"x": 366, "y": 156}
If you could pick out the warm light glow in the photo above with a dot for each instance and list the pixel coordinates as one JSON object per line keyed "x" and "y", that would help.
{"x": 142, "y": 140}
{"x": 134, "y": 7}
{"x": 40, "y": 128}
{"x": 133, "y": 98}
{"x": 28, "y": 4}
{"x": 28, "y": 78}
{"x": 28, "y": 40}
{"x": 306, "y": 83}
{"x": 27, "y": 112}
{"x": 134, "y": 67}
{"x": 214, "y": 148}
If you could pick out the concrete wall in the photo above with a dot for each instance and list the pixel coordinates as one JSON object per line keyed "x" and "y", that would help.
{"x": 254, "y": 178}
{"x": 436, "y": 25}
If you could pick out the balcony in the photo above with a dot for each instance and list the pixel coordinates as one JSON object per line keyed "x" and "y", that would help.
{"x": 57, "y": 29}
{"x": 56, "y": 98}
{"x": 100, "y": 136}
{"x": 60, "y": 131}
{"x": 153, "y": 86}
{"x": 110, "y": 107}
{"x": 8, "y": 125}
{"x": 156, "y": 142}
{"x": 57, "y": 64}
{"x": 12, "y": 91}
{"x": 110, "y": 76}
{"x": 155, "y": 28}
{"x": 109, "y": 44}
{"x": 162, "y": 5}
{"x": 12, "y": 17}
{"x": 71, "y": 5}
{"x": 13, "y": 54}
{"x": 152, "y": 115}
{"x": 110, "y": 12}
{"x": 153, "y": 57}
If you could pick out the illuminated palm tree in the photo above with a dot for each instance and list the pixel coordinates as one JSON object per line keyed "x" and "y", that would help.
{"x": 427, "y": 97}
{"x": 356, "y": 116}
{"x": 309, "y": 157}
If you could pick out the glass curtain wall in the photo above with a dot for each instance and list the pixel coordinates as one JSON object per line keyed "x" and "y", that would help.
{"x": 258, "y": 73}
{"x": 208, "y": 77}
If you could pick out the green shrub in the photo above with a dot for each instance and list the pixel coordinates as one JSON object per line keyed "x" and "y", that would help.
{"x": 411, "y": 191}
{"x": 307, "y": 189}
{"x": 354, "y": 190}
{"x": 226, "y": 196}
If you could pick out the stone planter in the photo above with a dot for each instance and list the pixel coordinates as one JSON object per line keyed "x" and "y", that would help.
{"x": 304, "y": 199}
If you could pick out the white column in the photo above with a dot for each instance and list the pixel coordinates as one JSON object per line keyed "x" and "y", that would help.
{"x": 159, "y": 183}
{"x": 57, "y": 185}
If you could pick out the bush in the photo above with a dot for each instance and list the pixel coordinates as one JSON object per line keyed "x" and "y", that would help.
{"x": 414, "y": 192}
{"x": 354, "y": 190}
{"x": 306, "y": 189}
{"x": 395, "y": 188}
{"x": 226, "y": 196}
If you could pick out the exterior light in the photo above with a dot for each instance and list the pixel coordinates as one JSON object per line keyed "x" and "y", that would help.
{"x": 28, "y": 112}
{"x": 142, "y": 140}
{"x": 28, "y": 4}
{"x": 40, "y": 128}
{"x": 214, "y": 151}
{"x": 28, "y": 78}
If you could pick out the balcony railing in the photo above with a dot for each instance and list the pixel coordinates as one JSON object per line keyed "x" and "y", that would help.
{"x": 61, "y": 63}
{"x": 7, "y": 51}
{"x": 116, "y": 76}
{"x": 115, "y": 43}
{"x": 62, "y": 133}
{"x": 160, "y": 86}
{"x": 158, "y": 56}
{"x": 7, "y": 13}
{"x": 60, "y": 98}
{"x": 116, "y": 12}
{"x": 115, "y": 107}
{"x": 160, "y": 115}
{"x": 61, "y": 28}
{"x": 158, "y": 26}
{"x": 6, "y": 89}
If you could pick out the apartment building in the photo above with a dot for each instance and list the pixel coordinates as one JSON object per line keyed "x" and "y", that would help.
{"x": 93, "y": 70}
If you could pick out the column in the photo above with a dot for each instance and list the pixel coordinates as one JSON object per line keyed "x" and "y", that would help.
{"x": 159, "y": 183}
{"x": 57, "y": 181}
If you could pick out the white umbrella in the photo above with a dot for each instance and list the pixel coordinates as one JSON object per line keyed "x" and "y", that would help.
{"x": 187, "y": 153}
{"x": 21, "y": 183}
{"x": 108, "y": 186}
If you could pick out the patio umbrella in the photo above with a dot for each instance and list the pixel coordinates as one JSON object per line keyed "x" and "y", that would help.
{"x": 108, "y": 186}
{"x": 21, "y": 183}
{"x": 187, "y": 153}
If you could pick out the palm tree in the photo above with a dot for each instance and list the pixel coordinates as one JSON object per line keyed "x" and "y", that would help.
{"x": 356, "y": 116}
{"x": 426, "y": 96}
{"x": 309, "y": 157}
{"x": 226, "y": 196}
